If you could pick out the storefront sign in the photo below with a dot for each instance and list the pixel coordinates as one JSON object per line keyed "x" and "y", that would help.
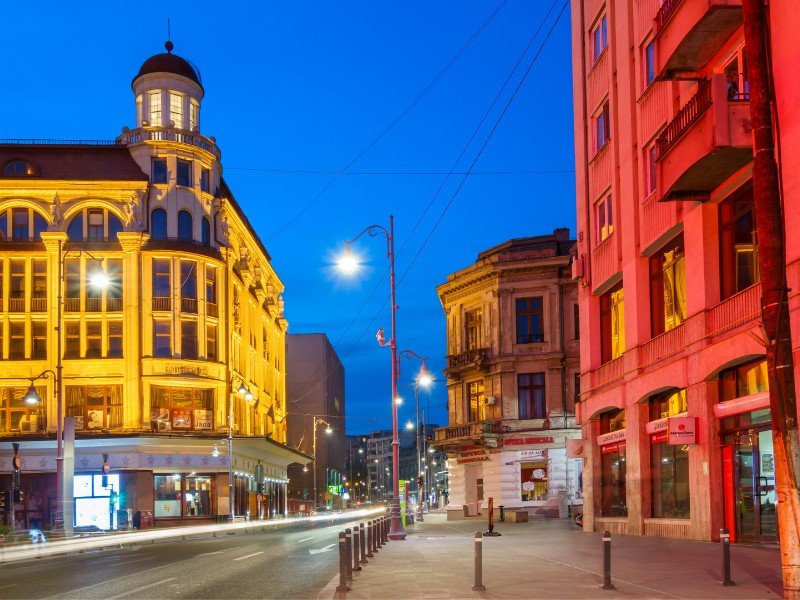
{"x": 576, "y": 448}
{"x": 610, "y": 438}
{"x": 528, "y": 440}
{"x": 656, "y": 426}
{"x": 186, "y": 370}
{"x": 531, "y": 454}
{"x": 609, "y": 448}
{"x": 657, "y": 438}
{"x": 203, "y": 419}
{"x": 471, "y": 456}
{"x": 682, "y": 430}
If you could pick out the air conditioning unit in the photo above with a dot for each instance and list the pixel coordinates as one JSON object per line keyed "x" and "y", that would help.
{"x": 577, "y": 268}
{"x": 490, "y": 401}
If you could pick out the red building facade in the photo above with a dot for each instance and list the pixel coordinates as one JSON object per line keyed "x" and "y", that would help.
{"x": 667, "y": 261}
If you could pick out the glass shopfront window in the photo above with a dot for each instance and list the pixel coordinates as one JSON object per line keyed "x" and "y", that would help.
{"x": 96, "y": 504}
{"x": 533, "y": 480}
{"x": 197, "y": 496}
{"x": 612, "y": 465}
{"x": 177, "y": 496}
{"x": 670, "y": 469}
{"x": 181, "y": 409}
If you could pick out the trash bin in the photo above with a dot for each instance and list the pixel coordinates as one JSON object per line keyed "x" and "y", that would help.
{"x": 143, "y": 519}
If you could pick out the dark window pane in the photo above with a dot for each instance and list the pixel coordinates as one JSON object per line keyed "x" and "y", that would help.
{"x": 75, "y": 228}
{"x": 159, "y": 170}
{"x": 158, "y": 224}
{"x": 184, "y": 173}
{"x": 185, "y": 226}
{"x": 205, "y": 235}
{"x": 114, "y": 226}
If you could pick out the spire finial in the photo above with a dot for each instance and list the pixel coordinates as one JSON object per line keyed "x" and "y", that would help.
{"x": 169, "y": 45}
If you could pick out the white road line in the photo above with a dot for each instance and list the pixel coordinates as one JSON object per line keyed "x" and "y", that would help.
{"x": 305, "y": 539}
{"x": 141, "y": 589}
{"x": 7, "y": 586}
{"x": 209, "y": 553}
{"x": 249, "y": 555}
{"x": 127, "y": 562}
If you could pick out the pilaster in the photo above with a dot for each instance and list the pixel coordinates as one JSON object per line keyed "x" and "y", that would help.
{"x": 135, "y": 415}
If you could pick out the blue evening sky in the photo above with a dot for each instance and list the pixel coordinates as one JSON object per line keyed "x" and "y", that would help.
{"x": 295, "y": 91}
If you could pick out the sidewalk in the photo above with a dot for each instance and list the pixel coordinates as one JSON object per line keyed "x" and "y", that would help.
{"x": 554, "y": 559}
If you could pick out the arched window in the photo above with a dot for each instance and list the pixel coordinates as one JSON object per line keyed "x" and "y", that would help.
{"x": 39, "y": 225}
{"x": 205, "y": 235}
{"x": 21, "y": 224}
{"x": 75, "y": 228}
{"x": 158, "y": 224}
{"x": 114, "y": 226}
{"x": 185, "y": 226}
{"x": 18, "y": 166}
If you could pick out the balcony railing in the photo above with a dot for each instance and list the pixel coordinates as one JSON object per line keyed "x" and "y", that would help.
{"x": 475, "y": 358}
{"x": 169, "y": 134}
{"x": 16, "y": 305}
{"x": 467, "y": 430}
{"x": 189, "y": 305}
{"x": 72, "y": 304}
{"x": 685, "y": 118}
{"x": 212, "y": 310}
{"x": 113, "y": 304}
{"x": 162, "y": 303}
{"x": 665, "y": 13}
{"x": 94, "y": 304}
{"x": 39, "y": 304}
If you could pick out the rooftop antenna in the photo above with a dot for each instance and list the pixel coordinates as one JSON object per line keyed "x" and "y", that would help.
{"x": 169, "y": 45}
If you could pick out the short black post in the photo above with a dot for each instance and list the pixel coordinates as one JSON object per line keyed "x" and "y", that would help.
{"x": 370, "y": 540}
{"x": 342, "y": 587}
{"x": 502, "y": 513}
{"x": 386, "y": 526}
{"x": 478, "y": 586}
{"x": 348, "y": 550}
{"x": 356, "y": 549}
{"x": 725, "y": 538}
{"x": 383, "y": 531}
{"x": 362, "y": 541}
{"x": 607, "y": 585}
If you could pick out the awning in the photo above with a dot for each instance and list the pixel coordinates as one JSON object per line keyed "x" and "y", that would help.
{"x": 742, "y": 405}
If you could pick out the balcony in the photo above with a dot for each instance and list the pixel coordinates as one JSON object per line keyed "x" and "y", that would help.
{"x": 169, "y": 134}
{"x": 707, "y": 141}
{"x": 690, "y": 32}
{"x": 162, "y": 303}
{"x": 189, "y": 305}
{"x": 39, "y": 304}
{"x": 466, "y": 433}
{"x": 475, "y": 359}
{"x": 183, "y": 245}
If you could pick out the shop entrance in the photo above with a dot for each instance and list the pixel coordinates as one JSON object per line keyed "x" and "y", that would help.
{"x": 749, "y": 480}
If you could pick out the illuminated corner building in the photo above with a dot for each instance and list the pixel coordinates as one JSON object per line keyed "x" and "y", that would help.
{"x": 152, "y": 365}
{"x": 512, "y": 365}
{"x": 669, "y": 283}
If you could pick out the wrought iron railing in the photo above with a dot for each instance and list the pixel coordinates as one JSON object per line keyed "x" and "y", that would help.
{"x": 162, "y": 303}
{"x": 665, "y": 13}
{"x": 476, "y": 357}
{"x": 685, "y": 118}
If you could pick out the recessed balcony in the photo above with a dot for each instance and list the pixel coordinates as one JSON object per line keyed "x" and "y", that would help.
{"x": 476, "y": 359}
{"x": 707, "y": 142}
{"x": 168, "y": 134}
{"x": 690, "y": 32}
{"x": 474, "y": 432}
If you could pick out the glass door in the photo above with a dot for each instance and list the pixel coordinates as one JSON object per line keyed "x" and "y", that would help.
{"x": 755, "y": 487}
{"x": 765, "y": 487}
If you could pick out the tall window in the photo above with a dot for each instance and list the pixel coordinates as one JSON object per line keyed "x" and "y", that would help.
{"x": 95, "y": 406}
{"x": 612, "y": 468}
{"x": 114, "y": 289}
{"x": 668, "y": 287}
{"x": 94, "y": 220}
{"x": 189, "y": 339}
{"x": 19, "y": 224}
{"x": 205, "y": 180}
{"x": 604, "y": 218}
{"x": 475, "y": 399}
{"x": 16, "y": 340}
{"x": 188, "y": 286}
{"x": 185, "y": 226}
{"x": 649, "y": 63}
{"x": 472, "y": 328}
{"x": 743, "y": 380}
{"x": 576, "y": 322}
{"x": 155, "y": 108}
{"x": 211, "y": 291}
{"x": 114, "y": 339}
{"x": 38, "y": 339}
{"x": 16, "y": 414}
{"x": 176, "y": 109}
{"x": 650, "y": 169}
{"x": 159, "y": 170}
{"x": 669, "y": 465}
{"x": 194, "y": 114}
{"x": 181, "y": 408}
{"x": 211, "y": 343}
{"x": 17, "y": 291}
{"x": 162, "y": 339}
{"x": 38, "y": 285}
{"x": 530, "y": 320}
{"x": 599, "y": 38}
{"x": 602, "y": 127}
{"x": 205, "y": 232}
{"x": 162, "y": 284}
{"x": 184, "y": 173}
{"x": 72, "y": 339}
{"x": 736, "y": 76}
{"x": 531, "y": 394}
{"x": 158, "y": 224}
{"x": 738, "y": 243}
{"x": 94, "y": 339}
{"x": 612, "y": 323}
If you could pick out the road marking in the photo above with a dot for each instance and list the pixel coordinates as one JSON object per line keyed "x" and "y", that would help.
{"x": 141, "y": 589}
{"x": 327, "y": 548}
{"x": 306, "y": 539}
{"x": 209, "y": 553}
{"x": 127, "y": 562}
{"x": 7, "y": 586}
{"x": 249, "y": 555}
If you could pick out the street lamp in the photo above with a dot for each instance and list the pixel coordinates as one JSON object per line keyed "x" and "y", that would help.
{"x": 245, "y": 393}
{"x": 348, "y": 263}
{"x": 328, "y": 431}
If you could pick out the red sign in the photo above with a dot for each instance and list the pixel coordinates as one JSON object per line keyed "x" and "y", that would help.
{"x": 609, "y": 448}
{"x": 576, "y": 448}
{"x": 682, "y": 430}
{"x": 657, "y": 438}
{"x": 528, "y": 440}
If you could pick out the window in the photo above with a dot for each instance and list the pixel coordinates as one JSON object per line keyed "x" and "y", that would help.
{"x": 94, "y": 219}
{"x": 533, "y": 480}
{"x": 738, "y": 243}
{"x": 38, "y": 285}
{"x": 17, "y": 289}
{"x": 114, "y": 339}
{"x": 189, "y": 340}
{"x": 649, "y": 63}
{"x": 75, "y": 228}
{"x": 530, "y": 327}
{"x": 205, "y": 232}
{"x": 475, "y": 399}
{"x": 185, "y": 226}
{"x": 72, "y": 276}
{"x": 181, "y": 408}
{"x": 612, "y": 468}
{"x": 205, "y": 180}
{"x": 667, "y": 404}
{"x": 602, "y": 128}
{"x": 612, "y": 324}
{"x": 650, "y": 169}
{"x": 670, "y": 488}
{"x": 162, "y": 339}
{"x": 736, "y": 76}
{"x": 72, "y": 337}
{"x": 599, "y": 38}
{"x": 743, "y": 380}
{"x": 19, "y": 230}
{"x": 576, "y": 322}
{"x": 531, "y": 394}
{"x": 668, "y": 287}
{"x": 162, "y": 284}
{"x": 26, "y": 225}
{"x": 17, "y": 415}
{"x": 265, "y": 344}
{"x": 194, "y": 116}
{"x": 95, "y": 406}
{"x": 211, "y": 291}
{"x": 155, "y": 108}
{"x": 94, "y": 339}
{"x": 472, "y": 328}
{"x": 188, "y": 286}
{"x": 605, "y": 218}
{"x": 184, "y": 173}
{"x": 197, "y": 496}
{"x": 100, "y": 224}
{"x": 18, "y": 166}
{"x": 176, "y": 109}
{"x": 16, "y": 341}
{"x": 38, "y": 339}
{"x": 159, "y": 171}
{"x": 211, "y": 343}
{"x": 114, "y": 289}
{"x": 158, "y": 224}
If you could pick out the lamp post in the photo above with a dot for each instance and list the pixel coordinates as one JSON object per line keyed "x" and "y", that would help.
{"x": 328, "y": 430}
{"x": 245, "y": 393}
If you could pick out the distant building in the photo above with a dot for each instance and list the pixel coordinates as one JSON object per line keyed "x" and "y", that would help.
{"x": 316, "y": 394}
{"x": 356, "y": 471}
{"x": 512, "y": 377}
{"x": 379, "y": 464}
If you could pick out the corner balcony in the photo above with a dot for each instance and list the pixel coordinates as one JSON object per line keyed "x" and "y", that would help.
{"x": 474, "y": 433}
{"x": 707, "y": 142}
{"x": 169, "y": 134}
{"x": 476, "y": 359}
{"x": 690, "y": 32}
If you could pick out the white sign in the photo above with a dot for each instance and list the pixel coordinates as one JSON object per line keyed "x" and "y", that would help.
{"x": 531, "y": 454}
{"x": 610, "y": 438}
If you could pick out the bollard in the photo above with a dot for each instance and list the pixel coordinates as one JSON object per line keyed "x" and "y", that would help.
{"x": 356, "y": 549}
{"x": 370, "y": 540}
{"x": 342, "y": 587}
{"x": 362, "y": 542}
{"x": 348, "y": 551}
{"x": 725, "y": 538}
{"x": 502, "y": 513}
{"x": 478, "y": 587}
{"x": 607, "y": 585}
{"x": 377, "y": 533}
{"x": 381, "y": 533}
{"x": 386, "y": 527}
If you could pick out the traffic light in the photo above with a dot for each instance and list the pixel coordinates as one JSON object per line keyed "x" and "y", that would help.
{"x": 3, "y": 501}
{"x": 19, "y": 496}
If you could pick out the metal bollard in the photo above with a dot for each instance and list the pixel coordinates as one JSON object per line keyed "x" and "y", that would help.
{"x": 348, "y": 550}
{"x": 725, "y": 538}
{"x": 381, "y": 525}
{"x": 342, "y": 587}
{"x": 386, "y": 527}
{"x": 607, "y": 585}
{"x": 478, "y": 587}
{"x": 356, "y": 549}
{"x": 370, "y": 539}
{"x": 362, "y": 542}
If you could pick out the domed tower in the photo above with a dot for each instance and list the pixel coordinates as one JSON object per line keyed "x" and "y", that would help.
{"x": 183, "y": 165}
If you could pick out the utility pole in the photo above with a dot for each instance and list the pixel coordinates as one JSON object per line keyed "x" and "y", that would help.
{"x": 774, "y": 299}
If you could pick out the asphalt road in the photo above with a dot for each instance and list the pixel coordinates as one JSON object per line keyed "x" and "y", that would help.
{"x": 295, "y": 561}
